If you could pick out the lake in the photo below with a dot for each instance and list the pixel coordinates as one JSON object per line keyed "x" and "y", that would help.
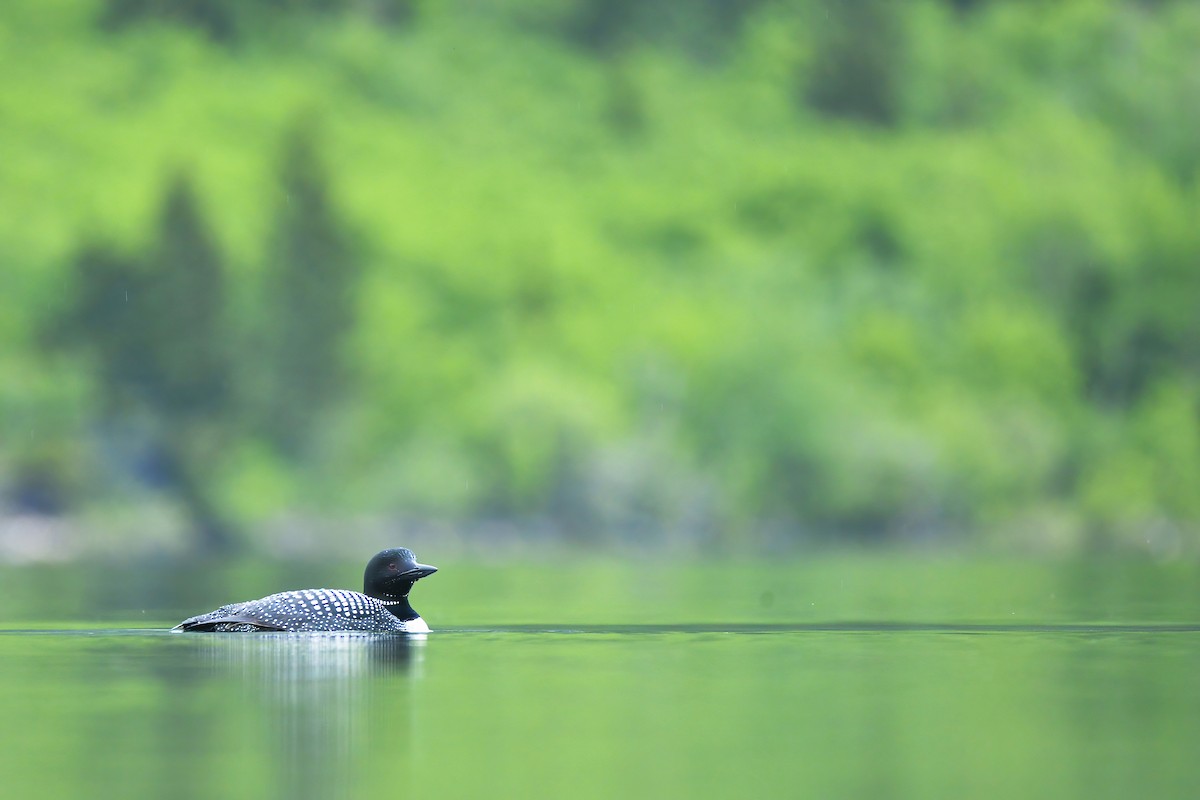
{"x": 837, "y": 676}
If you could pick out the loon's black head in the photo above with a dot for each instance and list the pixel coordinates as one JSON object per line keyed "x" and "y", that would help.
{"x": 392, "y": 573}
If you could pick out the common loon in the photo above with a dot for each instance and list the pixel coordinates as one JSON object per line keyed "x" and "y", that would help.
{"x": 382, "y": 606}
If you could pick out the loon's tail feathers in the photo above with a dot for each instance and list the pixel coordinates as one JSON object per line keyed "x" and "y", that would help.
{"x": 215, "y": 621}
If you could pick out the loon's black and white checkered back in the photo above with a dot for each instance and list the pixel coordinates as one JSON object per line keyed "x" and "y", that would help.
{"x": 305, "y": 610}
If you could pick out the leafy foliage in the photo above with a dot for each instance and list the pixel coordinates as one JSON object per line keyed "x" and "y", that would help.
{"x": 738, "y": 274}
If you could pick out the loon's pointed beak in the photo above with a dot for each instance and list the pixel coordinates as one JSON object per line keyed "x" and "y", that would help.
{"x": 418, "y": 571}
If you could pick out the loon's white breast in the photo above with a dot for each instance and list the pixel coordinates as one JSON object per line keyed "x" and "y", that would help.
{"x": 417, "y": 625}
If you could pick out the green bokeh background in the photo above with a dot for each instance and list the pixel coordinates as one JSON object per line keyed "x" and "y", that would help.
{"x": 721, "y": 276}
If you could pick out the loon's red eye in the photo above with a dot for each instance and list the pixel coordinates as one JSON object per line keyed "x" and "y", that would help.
{"x": 392, "y": 566}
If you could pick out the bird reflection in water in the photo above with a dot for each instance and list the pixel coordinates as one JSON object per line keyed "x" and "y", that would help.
{"x": 321, "y": 697}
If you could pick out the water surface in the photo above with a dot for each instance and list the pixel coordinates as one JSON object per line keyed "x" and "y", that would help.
{"x": 948, "y": 695}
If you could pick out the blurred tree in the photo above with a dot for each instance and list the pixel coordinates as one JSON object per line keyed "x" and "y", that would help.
{"x": 216, "y": 18}
{"x": 608, "y": 26}
{"x": 226, "y": 20}
{"x": 966, "y": 5}
{"x": 624, "y": 107}
{"x": 1130, "y": 324}
{"x": 109, "y": 292}
{"x": 857, "y": 66}
{"x": 312, "y": 272}
{"x": 604, "y": 26}
{"x": 154, "y": 328}
{"x": 188, "y": 362}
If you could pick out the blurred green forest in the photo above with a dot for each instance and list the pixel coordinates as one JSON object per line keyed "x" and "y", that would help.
{"x": 724, "y": 274}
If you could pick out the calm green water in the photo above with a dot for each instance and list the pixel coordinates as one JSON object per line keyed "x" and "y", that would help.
{"x": 837, "y": 678}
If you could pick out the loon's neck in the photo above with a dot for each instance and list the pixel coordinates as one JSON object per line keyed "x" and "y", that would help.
{"x": 399, "y": 606}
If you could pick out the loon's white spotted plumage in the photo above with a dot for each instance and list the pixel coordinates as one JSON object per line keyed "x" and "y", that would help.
{"x": 307, "y": 610}
{"x": 382, "y": 606}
